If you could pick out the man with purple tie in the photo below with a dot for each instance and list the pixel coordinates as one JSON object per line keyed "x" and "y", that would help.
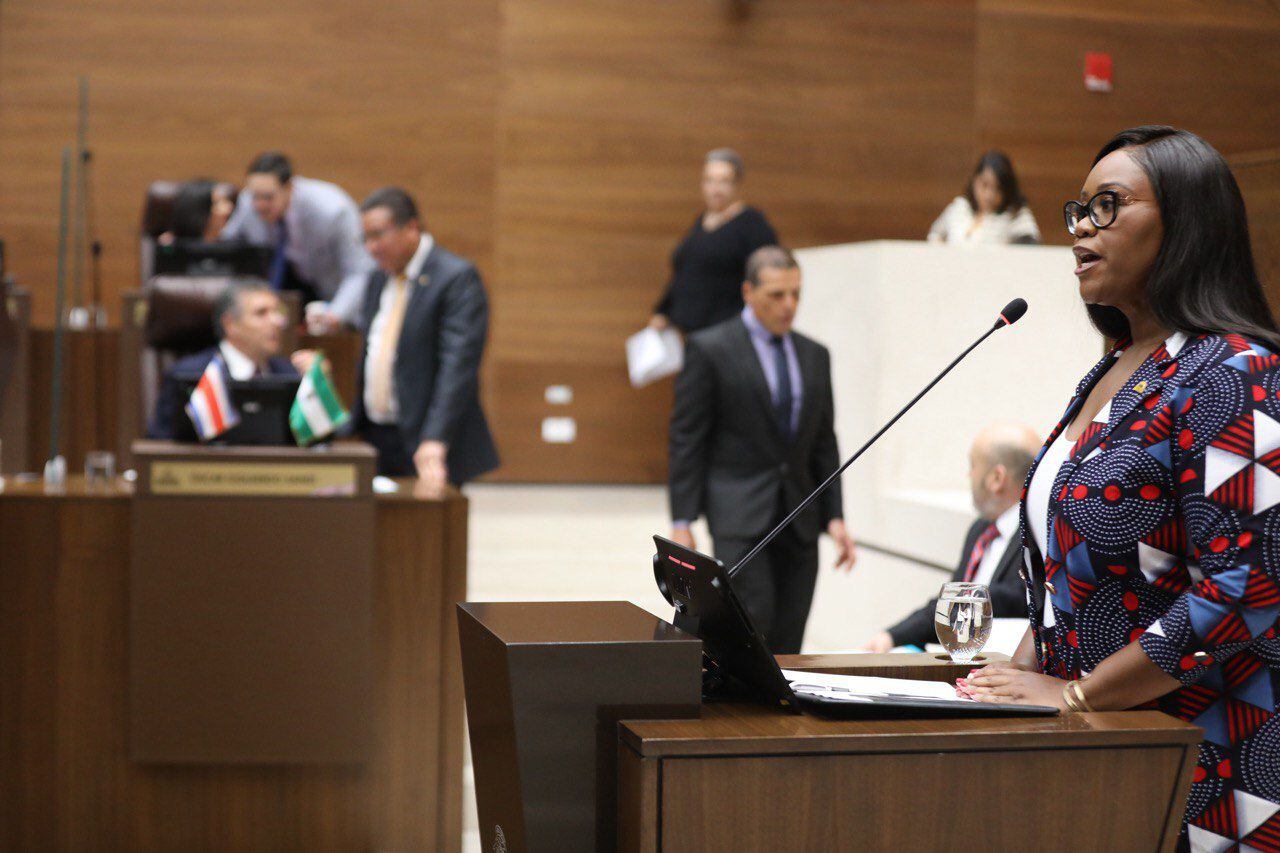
{"x": 752, "y": 433}
{"x": 999, "y": 459}
{"x": 313, "y": 229}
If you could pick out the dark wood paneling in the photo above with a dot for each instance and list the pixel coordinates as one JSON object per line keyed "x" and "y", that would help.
{"x": 1208, "y": 67}
{"x": 874, "y": 802}
{"x": 89, "y": 395}
{"x": 1259, "y": 177}
{"x": 398, "y": 92}
{"x": 558, "y": 142}
{"x": 66, "y": 781}
{"x": 15, "y": 378}
{"x": 854, "y": 120}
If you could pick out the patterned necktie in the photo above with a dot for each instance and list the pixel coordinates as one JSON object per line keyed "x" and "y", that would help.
{"x": 782, "y": 406}
{"x": 385, "y": 358}
{"x": 980, "y": 550}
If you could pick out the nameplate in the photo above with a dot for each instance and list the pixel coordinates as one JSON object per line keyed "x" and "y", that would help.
{"x": 260, "y": 479}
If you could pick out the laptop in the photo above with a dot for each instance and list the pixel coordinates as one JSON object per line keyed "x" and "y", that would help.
{"x": 698, "y": 587}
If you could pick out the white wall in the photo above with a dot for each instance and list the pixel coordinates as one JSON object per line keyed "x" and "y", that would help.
{"x": 893, "y": 314}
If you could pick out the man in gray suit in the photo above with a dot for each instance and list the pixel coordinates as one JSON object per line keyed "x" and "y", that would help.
{"x": 426, "y": 318}
{"x": 752, "y": 433}
{"x": 314, "y": 228}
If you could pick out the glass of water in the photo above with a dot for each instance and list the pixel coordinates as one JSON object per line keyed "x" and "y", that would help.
{"x": 99, "y": 469}
{"x": 963, "y": 619}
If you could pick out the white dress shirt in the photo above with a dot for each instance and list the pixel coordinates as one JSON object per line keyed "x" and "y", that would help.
{"x": 411, "y": 272}
{"x": 239, "y": 366}
{"x": 956, "y": 225}
{"x": 1007, "y": 527}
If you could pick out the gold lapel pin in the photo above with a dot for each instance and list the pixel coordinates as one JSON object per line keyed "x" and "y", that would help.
{"x": 1141, "y": 386}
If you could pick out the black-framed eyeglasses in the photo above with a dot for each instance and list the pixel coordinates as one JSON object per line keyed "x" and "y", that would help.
{"x": 1101, "y": 210}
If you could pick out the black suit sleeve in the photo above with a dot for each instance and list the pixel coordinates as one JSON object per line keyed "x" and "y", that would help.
{"x": 1008, "y": 594}
{"x": 162, "y": 426}
{"x": 826, "y": 452}
{"x": 917, "y": 628}
{"x": 692, "y": 420}
{"x": 464, "y": 325}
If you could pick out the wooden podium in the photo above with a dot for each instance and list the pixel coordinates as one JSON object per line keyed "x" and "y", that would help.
{"x": 251, "y": 604}
{"x": 136, "y": 624}
{"x": 746, "y": 777}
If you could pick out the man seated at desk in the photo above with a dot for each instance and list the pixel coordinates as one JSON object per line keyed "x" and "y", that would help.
{"x": 249, "y": 321}
{"x": 999, "y": 460}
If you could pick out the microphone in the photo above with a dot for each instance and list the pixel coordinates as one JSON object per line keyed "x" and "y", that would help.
{"x": 1009, "y": 315}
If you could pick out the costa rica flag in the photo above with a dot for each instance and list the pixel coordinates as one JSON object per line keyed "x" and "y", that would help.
{"x": 210, "y": 407}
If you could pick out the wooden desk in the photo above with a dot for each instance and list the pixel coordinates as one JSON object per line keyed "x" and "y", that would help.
{"x": 746, "y": 778}
{"x": 66, "y": 778}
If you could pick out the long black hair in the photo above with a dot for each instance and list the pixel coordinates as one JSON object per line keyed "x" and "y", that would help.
{"x": 1204, "y": 279}
{"x": 1011, "y": 197}
{"x": 191, "y": 209}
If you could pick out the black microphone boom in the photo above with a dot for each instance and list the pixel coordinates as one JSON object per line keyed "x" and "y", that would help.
{"x": 1009, "y": 315}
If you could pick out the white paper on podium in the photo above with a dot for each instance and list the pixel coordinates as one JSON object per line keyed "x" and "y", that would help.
{"x": 864, "y": 688}
{"x": 653, "y": 354}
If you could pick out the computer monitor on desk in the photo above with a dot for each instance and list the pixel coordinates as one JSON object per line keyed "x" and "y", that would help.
{"x": 263, "y": 403}
{"x": 198, "y": 258}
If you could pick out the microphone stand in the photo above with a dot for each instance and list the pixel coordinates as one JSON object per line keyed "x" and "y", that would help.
{"x": 834, "y": 476}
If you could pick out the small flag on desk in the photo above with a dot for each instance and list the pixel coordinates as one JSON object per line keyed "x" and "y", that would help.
{"x": 210, "y": 407}
{"x": 317, "y": 411}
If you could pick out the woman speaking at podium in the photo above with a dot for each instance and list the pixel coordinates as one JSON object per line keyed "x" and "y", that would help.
{"x": 1151, "y": 518}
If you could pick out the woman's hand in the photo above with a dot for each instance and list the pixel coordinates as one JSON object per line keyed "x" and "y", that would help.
{"x": 1003, "y": 682}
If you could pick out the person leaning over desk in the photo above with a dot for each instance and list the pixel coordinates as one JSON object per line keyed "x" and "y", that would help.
{"x": 1151, "y": 518}
{"x": 314, "y": 229}
{"x": 998, "y": 462}
{"x": 991, "y": 210}
{"x": 709, "y": 265}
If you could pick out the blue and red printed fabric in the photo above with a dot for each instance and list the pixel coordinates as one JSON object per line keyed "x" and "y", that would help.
{"x": 1164, "y": 529}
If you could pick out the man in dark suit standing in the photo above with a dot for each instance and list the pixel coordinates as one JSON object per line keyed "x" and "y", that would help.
{"x": 999, "y": 460}
{"x": 752, "y": 433}
{"x": 426, "y": 318}
{"x": 249, "y": 321}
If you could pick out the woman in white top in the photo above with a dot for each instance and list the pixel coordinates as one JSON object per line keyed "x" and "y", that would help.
{"x": 992, "y": 209}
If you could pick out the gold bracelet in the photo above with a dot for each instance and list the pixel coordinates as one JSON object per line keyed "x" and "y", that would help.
{"x": 1078, "y": 690}
{"x": 1069, "y": 699}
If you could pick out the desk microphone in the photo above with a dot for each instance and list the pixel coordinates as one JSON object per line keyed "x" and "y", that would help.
{"x": 1009, "y": 315}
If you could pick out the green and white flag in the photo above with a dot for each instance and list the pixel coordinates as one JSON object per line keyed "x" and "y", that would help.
{"x": 317, "y": 412}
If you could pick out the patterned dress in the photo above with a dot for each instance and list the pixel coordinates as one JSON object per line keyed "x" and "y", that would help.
{"x": 1164, "y": 528}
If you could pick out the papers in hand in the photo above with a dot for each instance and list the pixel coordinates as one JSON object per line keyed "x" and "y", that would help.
{"x": 864, "y": 688}
{"x": 653, "y": 354}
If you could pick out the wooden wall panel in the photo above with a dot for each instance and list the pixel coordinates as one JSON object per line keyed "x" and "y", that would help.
{"x": 1210, "y": 67}
{"x": 558, "y": 142}
{"x": 361, "y": 94}
{"x": 854, "y": 120}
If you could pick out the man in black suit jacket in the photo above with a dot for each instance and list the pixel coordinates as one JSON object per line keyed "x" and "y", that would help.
{"x": 426, "y": 318}
{"x": 752, "y": 433}
{"x": 249, "y": 321}
{"x": 999, "y": 460}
